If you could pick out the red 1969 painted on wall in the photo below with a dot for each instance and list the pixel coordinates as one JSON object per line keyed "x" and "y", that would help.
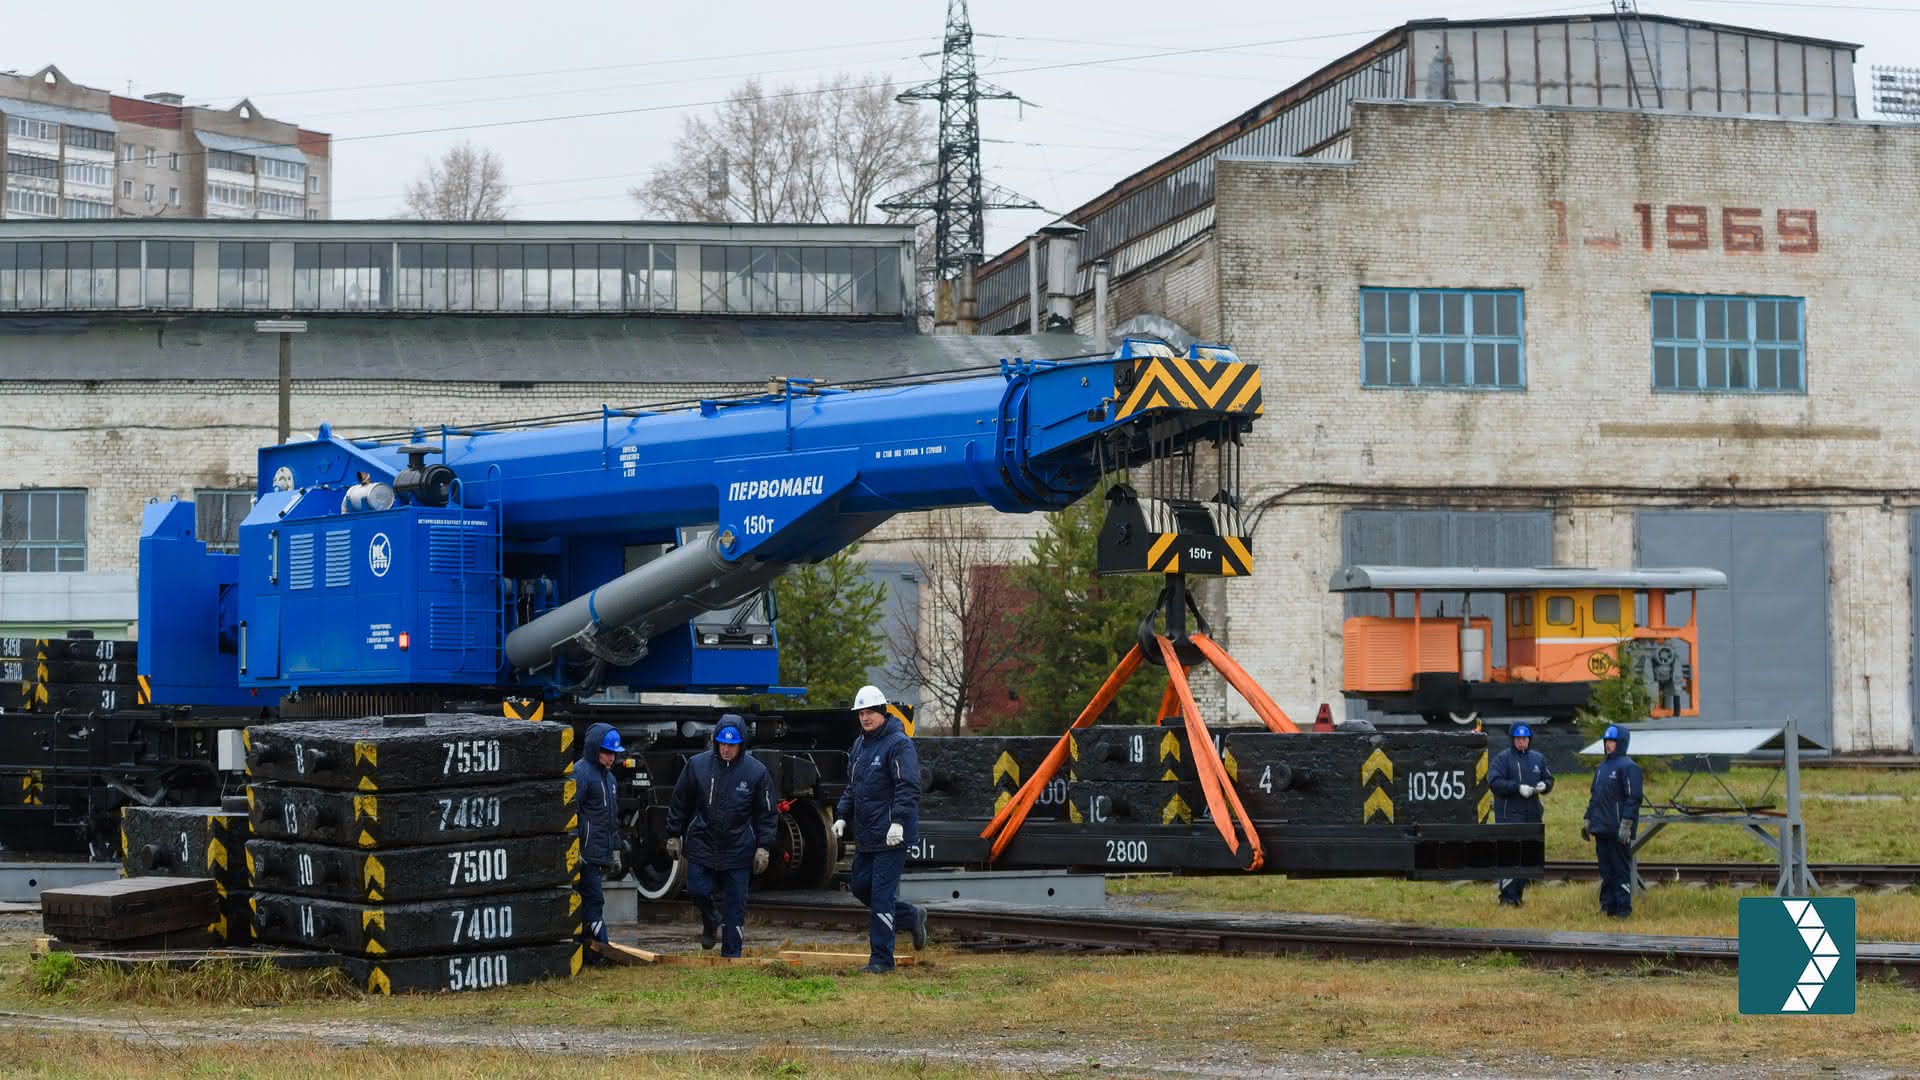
{"x": 1739, "y": 230}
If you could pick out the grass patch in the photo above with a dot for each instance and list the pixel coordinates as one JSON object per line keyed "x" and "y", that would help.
{"x": 1162, "y": 1006}
{"x": 64, "y": 1055}
{"x": 218, "y": 983}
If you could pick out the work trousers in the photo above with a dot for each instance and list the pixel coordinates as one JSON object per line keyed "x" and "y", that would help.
{"x": 1513, "y": 890}
{"x": 876, "y": 883}
{"x": 1616, "y": 875}
{"x": 593, "y": 907}
{"x": 721, "y": 896}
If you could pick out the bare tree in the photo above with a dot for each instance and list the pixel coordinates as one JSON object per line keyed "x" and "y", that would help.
{"x": 825, "y": 154}
{"x": 468, "y": 183}
{"x": 970, "y": 641}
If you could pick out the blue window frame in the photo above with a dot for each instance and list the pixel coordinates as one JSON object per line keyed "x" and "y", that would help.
{"x": 1459, "y": 339}
{"x": 1729, "y": 344}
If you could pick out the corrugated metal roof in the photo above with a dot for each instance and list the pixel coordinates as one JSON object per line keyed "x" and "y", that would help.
{"x": 59, "y": 114}
{"x": 1494, "y": 579}
{"x": 213, "y": 140}
{"x": 651, "y": 349}
{"x": 1727, "y": 742}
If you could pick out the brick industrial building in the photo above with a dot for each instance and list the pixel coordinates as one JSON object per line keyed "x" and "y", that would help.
{"x": 1532, "y": 292}
{"x": 71, "y": 151}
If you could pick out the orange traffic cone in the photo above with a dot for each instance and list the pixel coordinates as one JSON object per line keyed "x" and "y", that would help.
{"x": 1324, "y": 721}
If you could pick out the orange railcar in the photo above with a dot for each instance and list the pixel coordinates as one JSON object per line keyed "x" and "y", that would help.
{"x": 1564, "y": 630}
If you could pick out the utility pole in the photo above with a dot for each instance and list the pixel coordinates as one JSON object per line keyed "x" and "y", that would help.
{"x": 286, "y": 328}
{"x": 957, "y": 195}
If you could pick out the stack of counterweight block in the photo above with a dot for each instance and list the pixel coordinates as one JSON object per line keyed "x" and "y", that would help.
{"x": 195, "y": 842}
{"x": 435, "y": 852}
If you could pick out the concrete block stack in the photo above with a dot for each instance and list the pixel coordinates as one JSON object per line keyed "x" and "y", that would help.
{"x": 435, "y": 852}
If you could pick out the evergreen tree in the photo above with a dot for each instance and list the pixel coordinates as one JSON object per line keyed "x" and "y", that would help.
{"x": 1080, "y": 626}
{"x": 830, "y": 632}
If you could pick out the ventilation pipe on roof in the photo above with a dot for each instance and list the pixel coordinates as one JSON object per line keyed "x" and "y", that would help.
{"x": 1063, "y": 273}
{"x": 1102, "y": 272}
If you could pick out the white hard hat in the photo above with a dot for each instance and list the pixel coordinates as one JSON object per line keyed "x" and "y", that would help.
{"x": 869, "y": 697}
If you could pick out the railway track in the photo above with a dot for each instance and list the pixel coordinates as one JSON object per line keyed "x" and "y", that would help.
{"x": 1310, "y": 935}
{"x": 1880, "y": 875}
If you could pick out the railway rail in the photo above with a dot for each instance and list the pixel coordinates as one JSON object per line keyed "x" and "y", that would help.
{"x": 1879, "y": 875}
{"x": 1312, "y": 935}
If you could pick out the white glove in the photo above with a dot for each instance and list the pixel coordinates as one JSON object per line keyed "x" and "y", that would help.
{"x": 896, "y": 835}
{"x": 839, "y": 828}
{"x": 1526, "y": 791}
{"x": 673, "y": 847}
{"x": 760, "y": 860}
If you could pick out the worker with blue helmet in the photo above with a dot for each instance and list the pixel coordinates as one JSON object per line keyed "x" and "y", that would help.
{"x": 1613, "y": 818}
{"x": 1518, "y": 777}
{"x": 597, "y": 794}
{"x": 722, "y": 818}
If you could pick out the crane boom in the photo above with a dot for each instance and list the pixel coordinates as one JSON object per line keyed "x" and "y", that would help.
{"x": 620, "y": 548}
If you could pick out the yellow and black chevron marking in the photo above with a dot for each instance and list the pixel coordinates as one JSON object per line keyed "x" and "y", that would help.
{"x": 216, "y": 855}
{"x": 574, "y": 964}
{"x": 367, "y": 807}
{"x": 33, "y": 788}
{"x": 904, "y": 714}
{"x": 1486, "y": 797}
{"x": 368, "y": 919}
{"x": 523, "y": 709}
{"x": 144, "y": 695}
{"x": 1170, "y": 750}
{"x": 373, "y": 875}
{"x": 1172, "y": 382}
{"x": 377, "y": 982}
{"x": 1006, "y": 778}
{"x": 568, "y": 792}
{"x": 1176, "y": 811}
{"x": 1165, "y": 549}
{"x": 1380, "y": 799}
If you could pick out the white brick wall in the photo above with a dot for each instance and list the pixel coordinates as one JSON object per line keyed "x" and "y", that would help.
{"x": 1465, "y": 197}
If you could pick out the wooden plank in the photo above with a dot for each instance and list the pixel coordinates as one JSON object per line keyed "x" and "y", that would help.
{"x": 801, "y": 956}
{"x": 624, "y": 954}
{"x": 703, "y": 960}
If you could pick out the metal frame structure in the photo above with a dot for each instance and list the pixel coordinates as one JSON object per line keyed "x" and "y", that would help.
{"x": 1788, "y": 838}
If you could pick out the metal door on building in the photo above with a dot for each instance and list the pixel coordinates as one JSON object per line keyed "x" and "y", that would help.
{"x": 899, "y": 624}
{"x": 1764, "y": 642}
{"x": 1443, "y": 538}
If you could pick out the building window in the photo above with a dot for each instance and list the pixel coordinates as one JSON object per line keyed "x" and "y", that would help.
{"x": 85, "y": 208}
{"x": 149, "y": 194}
{"x": 40, "y": 168}
{"x": 173, "y": 162}
{"x": 20, "y": 127}
{"x": 1729, "y": 344}
{"x": 273, "y": 202}
{"x": 126, "y": 153}
{"x": 343, "y": 276}
{"x": 91, "y": 173}
{"x": 283, "y": 170}
{"x": 218, "y": 513}
{"x": 43, "y": 531}
{"x": 153, "y": 157}
{"x": 126, "y": 188}
{"x": 1469, "y": 339}
{"x": 169, "y": 274}
{"x": 313, "y": 184}
{"x": 232, "y": 162}
{"x": 87, "y": 139}
{"x": 230, "y": 195}
{"x": 173, "y": 196}
{"x": 243, "y": 275}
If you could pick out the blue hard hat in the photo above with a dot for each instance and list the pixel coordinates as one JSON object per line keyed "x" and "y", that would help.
{"x": 1520, "y": 731}
{"x": 611, "y": 741}
{"x": 1612, "y": 732}
{"x": 728, "y": 733}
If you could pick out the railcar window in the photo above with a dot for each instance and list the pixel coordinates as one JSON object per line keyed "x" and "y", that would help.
{"x": 1606, "y": 609}
{"x": 1560, "y": 611}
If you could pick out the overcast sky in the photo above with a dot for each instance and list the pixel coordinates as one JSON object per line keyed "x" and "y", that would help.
{"x": 388, "y": 79}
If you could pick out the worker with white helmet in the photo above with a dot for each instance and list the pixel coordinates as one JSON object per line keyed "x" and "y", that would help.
{"x": 882, "y": 800}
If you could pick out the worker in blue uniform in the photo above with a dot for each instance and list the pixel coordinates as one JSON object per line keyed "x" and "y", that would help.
{"x": 722, "y": 816}
{"x": 598, "y": 795}
{"x": 882, "y": 800}
{"x": 1518, "y": 777}
{"x": 1613, "y": 818}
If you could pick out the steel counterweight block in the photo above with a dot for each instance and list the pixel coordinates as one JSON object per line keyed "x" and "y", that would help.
{"x": 185, "y": 841}
{"x": 1132, "y": 752}
{"x": 1149, "y": 802}
{"x": 1384, "y": 778}
{"x": 502, "y": 920}
{"x": 509, "y": 864}
{"x": 464, "y": 971}
{"x": 377, "y": 820}
{"x": 409, "y": 753}
{"x": 968, "y": 777}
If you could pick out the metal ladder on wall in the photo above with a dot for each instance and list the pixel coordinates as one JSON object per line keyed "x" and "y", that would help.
{"x": 1639, "y": 58}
